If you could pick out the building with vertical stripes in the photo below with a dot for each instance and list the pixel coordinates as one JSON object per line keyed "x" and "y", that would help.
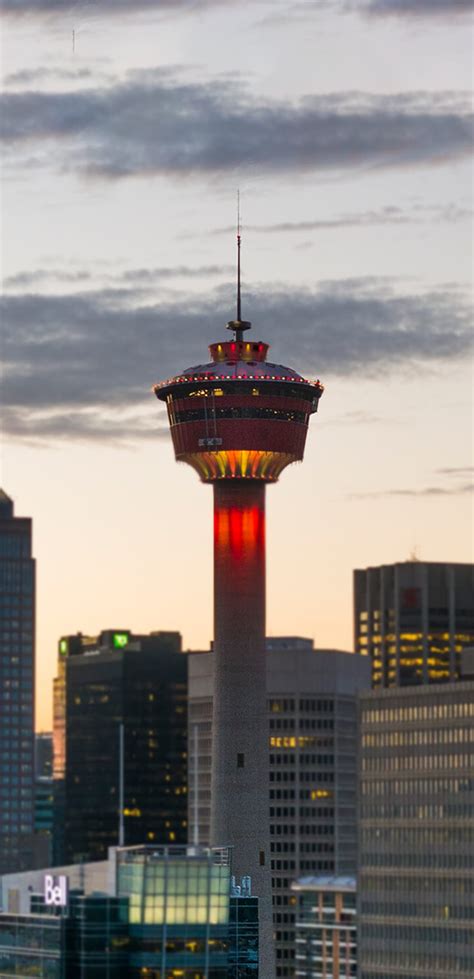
{"x": 414, "y": 619}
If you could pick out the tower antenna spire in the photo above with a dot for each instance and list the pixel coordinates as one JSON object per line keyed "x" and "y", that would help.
{"x": 239, "y": 239}
{"x": 239, "y": 325}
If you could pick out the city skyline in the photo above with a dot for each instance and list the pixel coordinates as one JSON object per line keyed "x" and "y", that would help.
{"x": 347, "y": 133}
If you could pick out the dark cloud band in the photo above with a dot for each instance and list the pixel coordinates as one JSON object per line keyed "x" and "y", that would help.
{"x": 419, "y": 8}
{"x": 98, "y": 7}
{"x": 149, "y": 125}
{"x": 87, "y": 358}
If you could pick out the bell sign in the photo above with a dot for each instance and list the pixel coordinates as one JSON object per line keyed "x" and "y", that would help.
{"x": 55, "y": 890}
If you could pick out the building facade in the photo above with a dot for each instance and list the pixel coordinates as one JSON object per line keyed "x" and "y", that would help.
{"x": 114, "y": 680}
{"x": 17, "y": 685}
{"x": 414, "y": 619}
{"x": 416, "y": 833}
{"x": 162, "y": 912}
{"x": 326, "y": 933}
{"x": 311, "y": 767}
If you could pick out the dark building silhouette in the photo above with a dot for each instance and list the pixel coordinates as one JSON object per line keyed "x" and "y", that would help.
{"x": 44, "y": 798}
{"x": 239, "y": 421}
{"x": 17, "y": 684}
{"x": 43, "y": 754}
{"x": 138, "y": 681}
{"x": 414, "y": 619}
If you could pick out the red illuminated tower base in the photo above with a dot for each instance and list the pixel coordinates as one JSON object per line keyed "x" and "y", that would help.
{"x": 239, "y": 421}
{"x": 240, "y": 754}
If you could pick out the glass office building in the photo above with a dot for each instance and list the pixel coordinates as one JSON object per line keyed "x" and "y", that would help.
{"x": 416, "y": 833}
{"x": 175, "y": 912}
{"x": 138, "y": 681}
{"x": 17, "y": 631}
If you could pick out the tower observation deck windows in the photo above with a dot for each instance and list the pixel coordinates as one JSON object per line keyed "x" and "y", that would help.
{"x": 249, "y": 387}
{"x": 271, "y": 414}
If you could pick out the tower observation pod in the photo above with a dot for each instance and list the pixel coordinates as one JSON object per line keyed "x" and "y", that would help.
{"x": 239, "y": 421}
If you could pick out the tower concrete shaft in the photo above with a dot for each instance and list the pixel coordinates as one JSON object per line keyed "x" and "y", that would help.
{"x": 239, "y": 806}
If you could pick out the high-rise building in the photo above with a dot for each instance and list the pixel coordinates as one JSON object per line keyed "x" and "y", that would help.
{"x": 17, "y": 684}
{"x": 44, "y": 799}
{"x": 311, "y": 764}
{"x": 416, "y": 836}
{"x": 112, "y": 683}
{"x": 146, "y": 911}
{"x": 43, "y": 754}
{"x": 239, "y": 421}
{"x": 414, "y": 619}
{"x": 326, "y": 933}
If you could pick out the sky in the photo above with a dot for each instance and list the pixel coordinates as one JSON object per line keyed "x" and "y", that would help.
{"x": 127, "y": 128}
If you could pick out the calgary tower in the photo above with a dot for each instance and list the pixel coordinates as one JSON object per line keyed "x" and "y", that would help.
{"x": 239, "y": 421}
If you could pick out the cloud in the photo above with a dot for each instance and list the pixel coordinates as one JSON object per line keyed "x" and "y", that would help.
{"x": 463, "y": 471}
{"x": 418, "y": 8}
{"x": 307, "y": 10}
{"x": 139, "y": 276}
{"x": 149, "y": 125}
{"x": 82, "y": 362}
{"x": 461, "y": 489}
{"x": 453, "y": 489}
{"x": 390, "y": 215}
{"x": 40, "y": 428}
{"x": 99, "y": 7}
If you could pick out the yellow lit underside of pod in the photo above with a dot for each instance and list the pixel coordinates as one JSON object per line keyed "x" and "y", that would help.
{"x": 238, "y": 464}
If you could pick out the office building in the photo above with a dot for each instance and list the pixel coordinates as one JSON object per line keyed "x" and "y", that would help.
{"x": 416, "y": 836}
{"x": 326, "y": 939}
{"x": 108, "y": 682}
{"x": 44, "y": 754}
{"x": 145, "y": 911}
{"x": 414, "y": 619}
{"x": 44, "y": 799}
{"x": 17, "y": 673}
{"x": 311, "y": 767}
{"x": 239, "y": 421}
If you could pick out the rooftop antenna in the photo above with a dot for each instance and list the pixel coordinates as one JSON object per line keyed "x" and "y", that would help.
{"x": 239, "y": 325}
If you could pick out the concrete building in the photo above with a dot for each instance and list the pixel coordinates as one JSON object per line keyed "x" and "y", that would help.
{"x": 139, "y": 682}
{"x": 414, "y": 619}
{"x": 326, "y": 933}
{"x": 416, "y": 833}
{"x": 145, "y": 911}
{"x": 17, "y": 686}
{"x": 311, "y": 766}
